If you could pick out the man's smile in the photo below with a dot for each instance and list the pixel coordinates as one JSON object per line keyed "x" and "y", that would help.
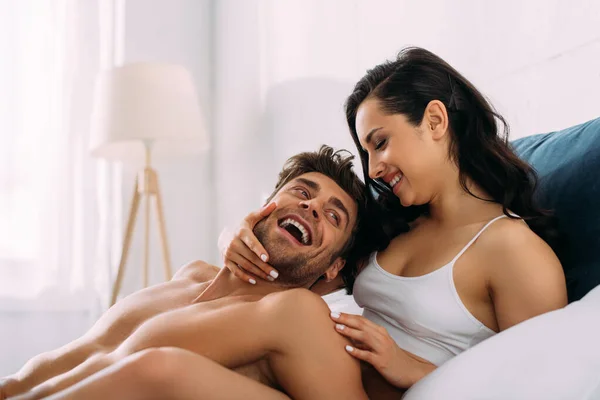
{"x": 295, "y": 226}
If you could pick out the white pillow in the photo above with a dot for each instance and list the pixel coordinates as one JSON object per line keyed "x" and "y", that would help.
{"x": 549, "y": 357}
{"x": 342, "y": 302}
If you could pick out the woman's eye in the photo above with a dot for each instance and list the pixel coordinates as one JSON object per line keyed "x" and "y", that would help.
{"x": 380, "y": 144}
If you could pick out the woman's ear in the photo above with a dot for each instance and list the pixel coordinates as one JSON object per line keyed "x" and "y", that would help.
{"x": 435, "y": 119}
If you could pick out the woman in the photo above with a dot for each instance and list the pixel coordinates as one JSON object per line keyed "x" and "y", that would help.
{"x": 469, "y": 254}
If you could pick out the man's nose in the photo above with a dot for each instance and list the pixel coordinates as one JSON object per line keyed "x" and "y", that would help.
{"x": 310, "y": 207}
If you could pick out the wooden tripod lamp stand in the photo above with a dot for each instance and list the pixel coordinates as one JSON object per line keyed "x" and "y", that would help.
{"x": 142, "y": 111}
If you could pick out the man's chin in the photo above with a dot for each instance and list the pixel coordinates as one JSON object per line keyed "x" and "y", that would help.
{"x": 277, "y": 243}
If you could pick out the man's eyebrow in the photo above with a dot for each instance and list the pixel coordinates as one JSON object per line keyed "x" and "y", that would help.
{"x": 311, "y": 184}
{"x": 338, "y": 203}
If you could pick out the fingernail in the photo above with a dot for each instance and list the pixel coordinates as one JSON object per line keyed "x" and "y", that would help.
{"x": 263, "y": 257}
{"x": 270, "y": 278}
{"x": 252, "y": 281}
{"x": 274, "y": 274}
{"x": 335, "y": 315}
{"x": 350, "y": 349}
{"x": 340, "y": 327}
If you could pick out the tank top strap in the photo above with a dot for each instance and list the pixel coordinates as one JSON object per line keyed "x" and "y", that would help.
{"x": 476, "y": 237}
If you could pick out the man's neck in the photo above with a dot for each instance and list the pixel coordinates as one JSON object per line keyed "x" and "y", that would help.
{"x": 226, "y": 284}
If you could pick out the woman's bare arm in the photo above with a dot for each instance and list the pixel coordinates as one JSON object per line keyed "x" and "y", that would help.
{"x": 526, "y": 277}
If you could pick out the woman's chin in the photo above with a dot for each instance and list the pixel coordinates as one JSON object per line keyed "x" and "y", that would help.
{"x": 405, "y": 202}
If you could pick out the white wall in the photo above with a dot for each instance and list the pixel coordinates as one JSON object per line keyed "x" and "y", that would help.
{"x": 174, "y": 31}
{"x": 284, "y": 69}
{"x": 273, "y": 76}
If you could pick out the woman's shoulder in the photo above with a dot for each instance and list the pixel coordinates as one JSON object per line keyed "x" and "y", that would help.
{"x": 525, "y": 277}
{"x": 511, "y": 250}
{"x": 511, "y": 235}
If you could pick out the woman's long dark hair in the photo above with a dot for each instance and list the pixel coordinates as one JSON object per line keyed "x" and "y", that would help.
{"x": 482, "y": 153}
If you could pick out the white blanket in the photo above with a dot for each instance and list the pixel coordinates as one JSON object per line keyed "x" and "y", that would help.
{"x": 555, "y": 356}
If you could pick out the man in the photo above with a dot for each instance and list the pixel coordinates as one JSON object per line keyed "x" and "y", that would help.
{"x": 283, "y": 338}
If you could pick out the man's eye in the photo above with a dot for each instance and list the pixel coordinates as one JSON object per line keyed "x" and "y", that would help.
{"x": 302, "y": 192}
{"x": 335, "y": 217}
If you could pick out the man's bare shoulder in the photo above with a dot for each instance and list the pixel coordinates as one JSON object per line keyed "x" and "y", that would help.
{"x": 198, "y": 271}
{"x": 308, "y": 346}
{"x": 296, "y": 309}
{"x": 299, "y": 301}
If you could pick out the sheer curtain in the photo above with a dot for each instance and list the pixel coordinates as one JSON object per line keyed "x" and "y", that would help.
{"x": 59, "y": 209}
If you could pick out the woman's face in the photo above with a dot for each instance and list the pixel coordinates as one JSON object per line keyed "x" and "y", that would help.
{"x": 408, "y": 158}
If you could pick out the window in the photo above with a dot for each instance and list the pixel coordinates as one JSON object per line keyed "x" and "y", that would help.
{"x": 30, "y": 119}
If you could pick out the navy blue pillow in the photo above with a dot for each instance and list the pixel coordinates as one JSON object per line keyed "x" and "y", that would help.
{"x": 568, "y": 165}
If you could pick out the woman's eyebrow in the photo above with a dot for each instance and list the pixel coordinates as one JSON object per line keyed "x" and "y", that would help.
{"x": 370, "y": 134}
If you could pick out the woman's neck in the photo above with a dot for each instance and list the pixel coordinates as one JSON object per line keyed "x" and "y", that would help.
{"x": 454, "y": 206}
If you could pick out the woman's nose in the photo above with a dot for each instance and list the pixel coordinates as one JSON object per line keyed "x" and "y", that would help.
{"x": 375, "y": 169}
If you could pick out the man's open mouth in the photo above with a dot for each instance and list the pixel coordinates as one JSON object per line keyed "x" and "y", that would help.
{"x": 298, "y": 229}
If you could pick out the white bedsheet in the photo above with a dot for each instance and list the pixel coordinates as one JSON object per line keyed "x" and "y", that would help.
{"x": 342, "y": 302}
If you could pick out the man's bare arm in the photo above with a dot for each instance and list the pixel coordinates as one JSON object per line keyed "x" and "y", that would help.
{"x": 245, "y": 332}
{"x": 291, "y": 328}
{"x": 109, "y": 331}
{"x": 211, "y": 333}
{"x": 168, "y": 373}
{"x": 312, "y": 362}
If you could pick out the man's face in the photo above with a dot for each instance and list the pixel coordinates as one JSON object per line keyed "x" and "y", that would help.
{"x": 313, "y": 221}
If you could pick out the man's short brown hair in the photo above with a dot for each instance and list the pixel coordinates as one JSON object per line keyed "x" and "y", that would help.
{"x": 337, "y": 165}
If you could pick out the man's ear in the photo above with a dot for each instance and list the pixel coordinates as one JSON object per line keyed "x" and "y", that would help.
{"x": 333, "y": 271}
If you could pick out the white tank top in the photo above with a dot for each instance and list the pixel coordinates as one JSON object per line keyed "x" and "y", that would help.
{"x": 424, "y": 314}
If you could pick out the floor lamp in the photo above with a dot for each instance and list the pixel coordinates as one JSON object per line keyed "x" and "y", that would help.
{"x": 144, "y": 111}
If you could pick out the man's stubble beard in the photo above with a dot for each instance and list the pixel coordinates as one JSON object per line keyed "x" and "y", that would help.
{"x": 295, "y": 269}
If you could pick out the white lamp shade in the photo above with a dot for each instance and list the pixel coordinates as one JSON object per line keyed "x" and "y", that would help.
{"x": 146, "y": 102}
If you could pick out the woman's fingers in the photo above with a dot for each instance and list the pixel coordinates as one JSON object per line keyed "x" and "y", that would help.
{"x": 363, "y": 355}
{"x": 258, "y": 254}
{"x": 360, "y": 329}
{"x": 352, "y": 333}
{"x": 225, "y": 238}
{"x": 248, "y": 266}
{"x": 237, "y": 248}
{"x": 355, "y": 321}
{"x": 247, "y": 235}
{"x": 243, "y": 253}
{"x": 254, "y": 217}
{"x": 268, "y": 209}
{"x": 240, "y": 273}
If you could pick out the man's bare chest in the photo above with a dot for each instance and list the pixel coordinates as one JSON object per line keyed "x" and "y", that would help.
{"x": 131, "y": 312}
